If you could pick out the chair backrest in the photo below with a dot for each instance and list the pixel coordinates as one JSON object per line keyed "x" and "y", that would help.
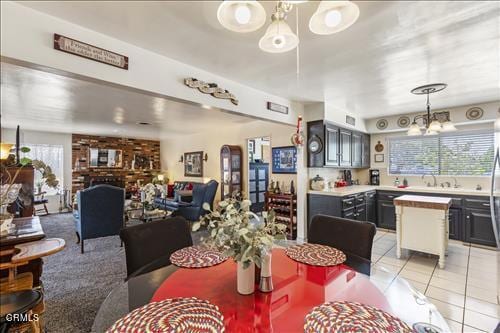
{"x": 210, "y": 192}
{"x": 150, "y": 242}
{"x": 349, "y": 236}
{"x": 199, "y": 191}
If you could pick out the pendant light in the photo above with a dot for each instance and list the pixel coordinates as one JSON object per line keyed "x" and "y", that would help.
{"x": 448, "y": 126}
{"x": 333, "y": 16}
{"x": 433, "y": 126}
{"x": 414, "y": 129}
{"x": 279, "y": 37}
{"x": 241, "y": 16}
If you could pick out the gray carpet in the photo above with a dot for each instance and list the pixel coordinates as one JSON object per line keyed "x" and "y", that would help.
{"x": 76, "y": 284}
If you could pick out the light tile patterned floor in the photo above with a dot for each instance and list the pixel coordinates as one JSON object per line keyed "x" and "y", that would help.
{"x": 466, "y": 291}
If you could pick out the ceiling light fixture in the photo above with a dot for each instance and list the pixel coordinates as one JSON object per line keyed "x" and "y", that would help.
{"x": 241, "y": 16}
{"x": 246, "y": 16}
{"x": 432, "y": 124}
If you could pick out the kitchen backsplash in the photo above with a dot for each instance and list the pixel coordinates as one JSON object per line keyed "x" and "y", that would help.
{"x": 332, "y": 174}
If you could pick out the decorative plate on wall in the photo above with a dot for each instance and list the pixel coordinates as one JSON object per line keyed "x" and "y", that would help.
{"x": 474, "y": 113}
{"x": 404, "y": 121}
{"x": 382, "y": 124}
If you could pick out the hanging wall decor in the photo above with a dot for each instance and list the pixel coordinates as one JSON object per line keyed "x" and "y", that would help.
{"x": 404, "y": 121}
{"x": 211, "y": 89}
{"x": 474, "y": 113}
{"x": 379, "y": 147}
{"x": 382, "y": 124}
{"x": 193, "y": 164}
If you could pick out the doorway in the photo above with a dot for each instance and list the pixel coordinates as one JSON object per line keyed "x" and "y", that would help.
{"x": 259, "y": 156}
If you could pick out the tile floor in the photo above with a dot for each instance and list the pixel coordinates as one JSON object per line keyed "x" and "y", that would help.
{"x": 466, "y": 292}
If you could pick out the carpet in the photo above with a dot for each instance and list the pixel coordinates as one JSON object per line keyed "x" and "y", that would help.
{"x": 76, "y": 284}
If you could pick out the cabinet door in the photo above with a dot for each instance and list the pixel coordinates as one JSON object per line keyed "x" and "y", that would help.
{"x": 386, "y": 215}
{"x": 455, "y": 220}
{"x": 349, "y": 214}
{"x": 371, "y": 212}
{"x": 322, "y": 204}
{"x": 332, "y": 145}
{"x": 361, "y": 213}
{"x": 365, "y": 159}
{"x": 356, "y": 149}
{"x": 478, "y": 227}
{"x": 345, "y": 147}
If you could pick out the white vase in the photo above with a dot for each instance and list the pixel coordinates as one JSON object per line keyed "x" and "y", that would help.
{"x": 245, "y": 278}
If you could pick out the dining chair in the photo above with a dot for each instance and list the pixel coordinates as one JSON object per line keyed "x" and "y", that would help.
{"x": 354, "y": 238}
{"x": 148, "y": 246}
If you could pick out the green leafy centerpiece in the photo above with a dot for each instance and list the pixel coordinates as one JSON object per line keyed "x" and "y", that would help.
{"x": 240, "y": 234}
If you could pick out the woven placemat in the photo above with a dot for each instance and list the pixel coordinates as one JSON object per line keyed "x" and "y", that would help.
{"x": 197, "y": 256}
{"x": 349, "y": 317}
{"x": 315, "y": 254}
{"x": 172, "y": 315}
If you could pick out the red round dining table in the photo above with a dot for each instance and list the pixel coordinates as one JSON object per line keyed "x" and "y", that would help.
{"x": 298, "y": 288}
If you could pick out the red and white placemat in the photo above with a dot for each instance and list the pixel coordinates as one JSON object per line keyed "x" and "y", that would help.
{"x": 349, "y": 317}
{"x": 172, "y": 315}
{"x": 316, "y": 254}
{"x": 197, "y": 256}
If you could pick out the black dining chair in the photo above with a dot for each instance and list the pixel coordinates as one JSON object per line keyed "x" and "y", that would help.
{"x": 354, "y": 238}
{"x": 148, "y": 246}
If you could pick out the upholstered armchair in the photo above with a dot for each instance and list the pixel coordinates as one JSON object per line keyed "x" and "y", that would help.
{"x": 193, "y": 210}
{"x": 100, "y": 212}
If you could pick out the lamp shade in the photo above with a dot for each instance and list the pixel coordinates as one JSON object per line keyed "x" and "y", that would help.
{"x": 333, "y": 16}
{"x": 241, "y": 16}
{"x": 435, "y": 126}
{"x": 448, "y": 126}
{"x": 279, "y": 38}
{"x": 430, "y": 132}
{"x": 414, "y": 130}
{"x": 5, "y": 150}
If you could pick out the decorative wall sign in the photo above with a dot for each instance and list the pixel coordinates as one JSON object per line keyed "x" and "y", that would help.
{"x": 193, "y": 164}
{"x": 404, "y": 121}
{"x": 284, "y": 159}
{"x": 84, "y": 50}
{"x": 350, "y": 120}
{"x": 382, "y": 124}
{"x": 277, "y": 107}
{"x": 210, "y": 88}
{"x": 379, "y": 147}
{"x": 379, "y": 158}
{"x": 474, "y": 113}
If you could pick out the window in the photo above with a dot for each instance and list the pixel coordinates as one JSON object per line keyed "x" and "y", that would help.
{"x": 51, "y": 155}
{"x": 448, "y": 154}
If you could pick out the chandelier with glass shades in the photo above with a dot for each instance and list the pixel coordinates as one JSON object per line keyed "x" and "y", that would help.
{"x": 431, "y": 122}
{"x": 247, "y": 16}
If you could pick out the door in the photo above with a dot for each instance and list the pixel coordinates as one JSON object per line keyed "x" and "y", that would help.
{"x": 478, "y": 227}
{"x": 386, "y": 215}
{"x": 455, "y": 216}
{"x": 332, "y": 145}
{"x": 357, "y": 149}
{"x": 345, "y": 147}
{"x": 258, "y": 182}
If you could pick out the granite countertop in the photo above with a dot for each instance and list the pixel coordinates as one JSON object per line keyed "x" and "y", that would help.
{"x": 355, "y": 189}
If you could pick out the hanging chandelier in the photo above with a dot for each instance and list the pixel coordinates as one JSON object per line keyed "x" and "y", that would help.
{"x": 434, "y": 122}
{"x": 246, "y": 16}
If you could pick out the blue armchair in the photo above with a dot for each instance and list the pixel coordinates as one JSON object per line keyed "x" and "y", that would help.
{"x": 100, "y": 212}
{"x": 193, "y": 210}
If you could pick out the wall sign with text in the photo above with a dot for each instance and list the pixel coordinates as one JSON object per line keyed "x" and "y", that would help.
{"x": 84, "y": 50}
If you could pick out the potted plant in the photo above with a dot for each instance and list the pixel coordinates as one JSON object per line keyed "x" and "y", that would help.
{"x": 238, "y": 233}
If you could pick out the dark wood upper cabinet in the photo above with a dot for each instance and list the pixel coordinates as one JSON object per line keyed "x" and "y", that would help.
{"x": 332, "y": 153}
{"x": 345, "y": 148}
{"x": 357, "y": 149}
{"x": 365, "y": 153}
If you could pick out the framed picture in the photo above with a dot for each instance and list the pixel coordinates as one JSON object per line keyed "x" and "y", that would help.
{"x": 193, "y": 164}
{"x": 284, "y": 159}
{"x": 379, "y": 158}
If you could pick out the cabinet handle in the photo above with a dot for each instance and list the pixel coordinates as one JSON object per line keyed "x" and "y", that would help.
{"x": 468, "y": 216}
{"x": 349, "y": 202}
{"x": 486, "y": 204}
{"x": 390, "y": 196}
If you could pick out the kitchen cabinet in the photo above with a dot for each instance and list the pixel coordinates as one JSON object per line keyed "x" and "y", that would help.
{"x": 356, "y": 150}
{"x": 455, "y": 221}
{"x": 386, "y": 215}
{"x": 365, "y": 151}
{"x": 332, "y": 153}
{"x": 371, "y": 207}
{"x": 478, "y": 227}
{"x": 322, "y": 204}
{"x": 345, "y": 146}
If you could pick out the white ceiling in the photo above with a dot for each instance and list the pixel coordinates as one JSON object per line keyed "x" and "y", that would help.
{"x": 368, "y": 69}
{"x": 38, "y": 100}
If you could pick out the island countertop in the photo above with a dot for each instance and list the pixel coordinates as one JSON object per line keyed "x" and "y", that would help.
{"x": 420, "y": 201}
{"x": 355, "y": 189}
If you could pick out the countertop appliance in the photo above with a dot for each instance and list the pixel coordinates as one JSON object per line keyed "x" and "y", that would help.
{"x": 495, "y": 197}
{"x": 374, "y": 177}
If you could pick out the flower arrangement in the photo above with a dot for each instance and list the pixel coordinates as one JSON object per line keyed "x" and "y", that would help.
{"x": 238, "y": 233}
{"x": 150, "y": 192}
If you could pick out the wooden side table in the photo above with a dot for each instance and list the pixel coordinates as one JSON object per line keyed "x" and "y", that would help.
{"x": 422, "y": 225}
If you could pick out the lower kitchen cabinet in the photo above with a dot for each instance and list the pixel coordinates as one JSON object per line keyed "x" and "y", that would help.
{"x": 321, "y": 204}
{"x": 455, "y": 221}
{"x": 478, "y": 227}
{"x": 386, "y": 215}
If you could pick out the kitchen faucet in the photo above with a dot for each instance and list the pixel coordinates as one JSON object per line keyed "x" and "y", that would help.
{"x": 456, "y": 182}
{"x": 429, "y": 184}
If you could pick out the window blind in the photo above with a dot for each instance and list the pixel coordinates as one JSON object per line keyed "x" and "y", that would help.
{"x": 451, "y": 154}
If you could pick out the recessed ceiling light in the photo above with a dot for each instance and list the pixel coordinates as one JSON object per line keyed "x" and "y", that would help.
{"x": 143, "y": 123}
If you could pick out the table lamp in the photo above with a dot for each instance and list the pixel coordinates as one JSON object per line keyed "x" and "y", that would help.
{"x": 5, "y": 150}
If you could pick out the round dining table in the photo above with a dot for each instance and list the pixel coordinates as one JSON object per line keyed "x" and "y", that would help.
{"x": 298, "y": 288}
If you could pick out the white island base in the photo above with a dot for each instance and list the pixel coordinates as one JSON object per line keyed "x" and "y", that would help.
{"x": 422, "y": 225}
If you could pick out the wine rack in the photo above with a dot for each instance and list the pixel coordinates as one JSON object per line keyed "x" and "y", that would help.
{"x": 285, "y": 207}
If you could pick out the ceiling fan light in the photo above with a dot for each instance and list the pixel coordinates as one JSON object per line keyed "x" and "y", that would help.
{"x": 414, "y": 130}
{"x": 241, "y": 16}
{"x": 279, "y": 38}
{"x": 333, "y": 16}
{"x": 435, "y": 126}
{"x": 448, "y": 126}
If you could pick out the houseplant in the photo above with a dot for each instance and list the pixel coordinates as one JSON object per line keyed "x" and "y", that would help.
{"x": 48, "y": 177}
{"x": 238, "y": 233}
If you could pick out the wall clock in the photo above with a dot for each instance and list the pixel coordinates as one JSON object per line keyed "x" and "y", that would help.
{"x": 314, "y": 145}
{"x": 379, "y": 147}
